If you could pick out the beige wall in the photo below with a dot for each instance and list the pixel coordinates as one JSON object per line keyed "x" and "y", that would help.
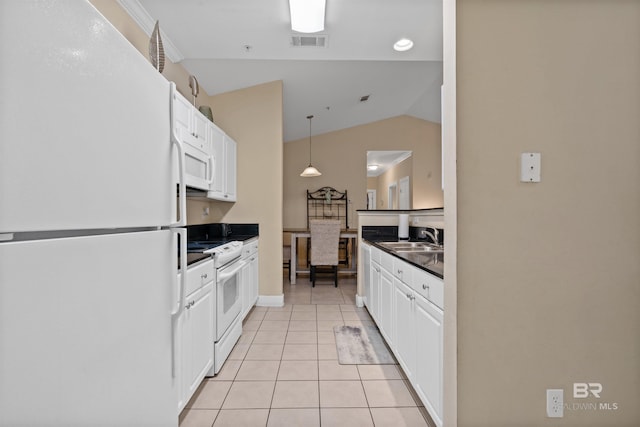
{"x": 259, "y": 187}
{"x": 341, "y": 156}
{"x": 548, "y": 274}
{"x": 253, "y": 117}
{"x": 132, "y": 32}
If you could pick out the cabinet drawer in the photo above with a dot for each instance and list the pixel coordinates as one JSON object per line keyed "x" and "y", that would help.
{"x": 402, "y": 271}
{"x": 199, "y": 275}
{"x": 386, "y": 261}
{"x": 249, "y": 248}
{"x": 429, "y": 286}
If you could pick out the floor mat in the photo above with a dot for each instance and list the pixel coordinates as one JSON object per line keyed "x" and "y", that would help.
{"x": 361, "y": 345}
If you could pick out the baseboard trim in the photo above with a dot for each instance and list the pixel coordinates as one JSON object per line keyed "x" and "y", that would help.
{"x": 359, "y": 301}
{"x": 270, "y": 300}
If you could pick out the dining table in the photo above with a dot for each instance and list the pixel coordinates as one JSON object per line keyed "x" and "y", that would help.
{"x": 297, "y": 233}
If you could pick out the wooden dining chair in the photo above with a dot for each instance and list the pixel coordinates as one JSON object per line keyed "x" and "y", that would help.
{"x": 325, "y": 237}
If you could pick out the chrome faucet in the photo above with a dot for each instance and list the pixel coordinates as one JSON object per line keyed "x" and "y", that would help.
{"x": 433, "y": 236}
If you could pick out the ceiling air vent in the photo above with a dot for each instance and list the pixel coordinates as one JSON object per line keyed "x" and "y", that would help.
{"x": 319, "y": 40}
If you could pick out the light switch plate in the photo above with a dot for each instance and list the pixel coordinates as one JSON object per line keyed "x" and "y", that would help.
{"x": 530, "y": 167}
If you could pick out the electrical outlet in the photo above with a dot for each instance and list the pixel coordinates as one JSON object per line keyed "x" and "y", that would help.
{"x": 555, "y": 403}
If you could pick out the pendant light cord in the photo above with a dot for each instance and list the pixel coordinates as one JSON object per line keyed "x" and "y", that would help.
{"x": 309, "y": 117}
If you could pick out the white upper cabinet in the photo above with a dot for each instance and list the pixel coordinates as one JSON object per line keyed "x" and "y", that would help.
{"x": 223, "y": 186}
{"x": 231, "y": 165}
{"x": 210, "y": 154}
{"x": 190, "y": 124}
{"x": 217, "y": 153}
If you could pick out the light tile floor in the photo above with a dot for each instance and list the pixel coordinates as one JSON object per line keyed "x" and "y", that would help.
{"x": 284, "y": 371}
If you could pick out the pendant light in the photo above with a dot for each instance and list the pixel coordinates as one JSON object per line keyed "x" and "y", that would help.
{"x": 310, "y": 170}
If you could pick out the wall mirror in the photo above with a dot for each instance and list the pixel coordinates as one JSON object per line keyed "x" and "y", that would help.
{"x": 389, "y": 180}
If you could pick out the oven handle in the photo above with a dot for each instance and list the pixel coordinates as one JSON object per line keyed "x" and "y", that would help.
{"x": 175, "y": 315}
{"x": 225, "y": 274}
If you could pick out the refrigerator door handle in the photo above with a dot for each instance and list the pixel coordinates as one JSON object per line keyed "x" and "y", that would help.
{"x": 181, "y": 221}
{"x": 175, "y": 315}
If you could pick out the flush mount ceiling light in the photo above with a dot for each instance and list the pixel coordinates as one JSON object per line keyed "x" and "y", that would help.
{"x": 403, "y": 45}
{"x": 310, "y": 170}
{"x": 307, "y": 16}
{"x": 372, "y": 167}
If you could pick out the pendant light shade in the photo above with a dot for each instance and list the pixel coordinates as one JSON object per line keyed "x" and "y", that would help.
{"x": 310, "y": 170}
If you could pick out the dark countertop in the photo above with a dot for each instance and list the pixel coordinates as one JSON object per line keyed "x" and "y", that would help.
{"x": 218, "y": 233}
{"x": 398, "y": 210}
{"x": 430, "y": 262}
{"x": 222, "y": 232}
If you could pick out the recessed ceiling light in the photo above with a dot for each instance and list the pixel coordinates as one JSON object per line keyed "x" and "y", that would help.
{"x": 403, "y": 45}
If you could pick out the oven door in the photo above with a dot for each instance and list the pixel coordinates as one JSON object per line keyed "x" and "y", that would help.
{"x": 229, "y": 303}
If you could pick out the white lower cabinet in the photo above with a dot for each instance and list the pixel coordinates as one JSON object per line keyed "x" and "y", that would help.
{"x": 373, "y": 301}
{"x": 427, "y": 379}
{"x": 406, "y": 303}
{"x": 365, "y": 256}
{"x": 405, "y": 334}
{"x": 250, "y": 276}
{"x": 386, "y": 306}
{"x": 195, "y": 336}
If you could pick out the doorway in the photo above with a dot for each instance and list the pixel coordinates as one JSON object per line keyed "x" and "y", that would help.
{"x": 392, "y": 202}
{"x": 371, "y": 199}
{"x": 404, "y": 199}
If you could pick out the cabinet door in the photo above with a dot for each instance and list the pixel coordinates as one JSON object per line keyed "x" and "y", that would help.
{"x": 196, "y": 340}
{"x": 428, "y": 372}
{"x": 374, "y": 296}
{"x": 201, "y": 130}
{"x": 386, "y": 306}
{"x": 255, "y": 281}
{"x": 366, "y": 282}
{"x": 245, "y": 284}
{"x": 182, "y": 110}
{"x": 217, "y": 153}
{"x": 404, "y": 326}
{"x": 231, "y": 169}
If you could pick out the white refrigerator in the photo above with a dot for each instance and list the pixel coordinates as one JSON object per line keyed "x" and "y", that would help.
{"x": 88, "y": 223}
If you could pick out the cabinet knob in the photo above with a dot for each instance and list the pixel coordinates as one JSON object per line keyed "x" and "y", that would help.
{"x": 204, "y": 276}
{"x": 425, "y": 287}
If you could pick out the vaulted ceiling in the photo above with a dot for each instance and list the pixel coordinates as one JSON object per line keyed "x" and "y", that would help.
{"x": 233, "y": 44}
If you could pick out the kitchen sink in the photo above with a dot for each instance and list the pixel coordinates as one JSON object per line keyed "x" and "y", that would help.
{"x": 411, "y": 247}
